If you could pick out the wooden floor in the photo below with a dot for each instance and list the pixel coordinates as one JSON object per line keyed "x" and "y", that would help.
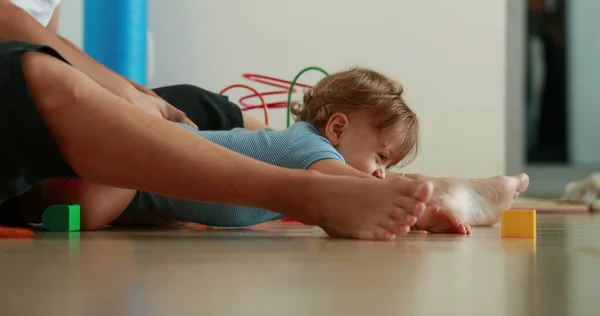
{"x": 298, "y": 271}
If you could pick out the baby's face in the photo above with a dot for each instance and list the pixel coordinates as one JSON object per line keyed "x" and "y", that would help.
{"x": 367, "y": 149}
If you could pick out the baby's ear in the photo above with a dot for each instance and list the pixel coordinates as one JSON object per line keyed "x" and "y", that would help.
{"x": 335, "y": 127}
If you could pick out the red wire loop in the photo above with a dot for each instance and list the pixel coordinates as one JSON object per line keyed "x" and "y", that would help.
{"x": 256, "y": 93}
{"x": 282, "y": 84}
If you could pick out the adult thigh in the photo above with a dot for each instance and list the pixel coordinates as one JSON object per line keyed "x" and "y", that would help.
{"x": 208, "y": 110}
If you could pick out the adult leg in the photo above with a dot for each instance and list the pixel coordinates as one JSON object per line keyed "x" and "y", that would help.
{"x": 208, "y": 110}
{"x": 102, "y": 205}
{"x": 110, "y": 141}
{"x": 22, "y": 157}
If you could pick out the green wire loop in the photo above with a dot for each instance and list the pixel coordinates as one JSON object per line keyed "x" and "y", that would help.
{"x": 289, "y": 101}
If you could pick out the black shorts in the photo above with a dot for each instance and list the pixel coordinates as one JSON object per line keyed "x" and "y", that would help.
{"x": 28, "y": 155}
{"x": 209, "y": 110}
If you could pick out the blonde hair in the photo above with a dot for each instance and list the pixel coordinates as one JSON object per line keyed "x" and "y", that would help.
{"x": 360, "y": 89}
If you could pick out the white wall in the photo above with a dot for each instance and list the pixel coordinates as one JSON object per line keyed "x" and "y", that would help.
{"x": 450, "y": 55}
{"x": 70, "y": 24}
{"x": 584, "y": 75}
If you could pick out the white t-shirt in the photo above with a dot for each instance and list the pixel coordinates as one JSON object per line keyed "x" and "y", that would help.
{"x": 41, "y": 10}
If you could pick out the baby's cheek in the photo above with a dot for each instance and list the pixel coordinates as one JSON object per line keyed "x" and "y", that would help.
{"x": 368, "y": 168}
{"x": 360, "y": 163}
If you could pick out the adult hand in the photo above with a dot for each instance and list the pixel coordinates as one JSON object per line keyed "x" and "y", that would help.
{"x": 157, "y": 106}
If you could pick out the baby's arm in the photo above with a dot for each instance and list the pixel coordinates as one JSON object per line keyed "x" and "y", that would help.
{"x": 100, "y": 205}
{"x": 336, "y": 167}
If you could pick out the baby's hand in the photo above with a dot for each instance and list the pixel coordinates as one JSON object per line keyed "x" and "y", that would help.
{"x": 442, "y": 220}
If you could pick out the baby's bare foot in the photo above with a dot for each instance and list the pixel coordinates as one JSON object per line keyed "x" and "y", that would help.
{"x": 371, "y": 208}
{"x": 465, "y": 203}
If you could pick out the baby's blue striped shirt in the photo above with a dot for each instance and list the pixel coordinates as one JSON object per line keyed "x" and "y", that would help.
{"x": 296, "y": 147}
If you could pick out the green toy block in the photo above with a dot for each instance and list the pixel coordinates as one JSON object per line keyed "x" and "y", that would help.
{"x": 62, "y": 218}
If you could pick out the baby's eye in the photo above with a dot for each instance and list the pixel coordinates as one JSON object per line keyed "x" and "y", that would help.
{"x": 382, "y": 157}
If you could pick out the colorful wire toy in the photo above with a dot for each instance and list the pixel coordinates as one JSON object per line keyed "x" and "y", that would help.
{"x": 256, "y": 93}
{"x": 285, "y": 87}
{"x": 289, "y": 101}
{"x": 282, "y": 84}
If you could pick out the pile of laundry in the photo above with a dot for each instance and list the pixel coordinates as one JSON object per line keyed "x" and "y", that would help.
{"x": 584, "y": 191}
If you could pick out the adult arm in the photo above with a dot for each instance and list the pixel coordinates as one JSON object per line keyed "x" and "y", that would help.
{"x": 170, "y": 112}
{"x": 17, "y": 24}
{"x": 53, "y": 27}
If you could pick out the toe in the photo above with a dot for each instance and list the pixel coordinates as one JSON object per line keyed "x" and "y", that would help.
{"x": 468, "y": 227}
{"x": 381, "y": 233}
{"x": 411, "y": 206}
{"x": 455, "y": 221}
{"x": 423, "y": 191}
{"x": 418, "y": 209}
{"x": 409, "y": 221}
{"x": 400, "y": 229}
{"x": 420, "y": 190}
{"x": 523, "y": 182}
{"x": 399, "y": 215}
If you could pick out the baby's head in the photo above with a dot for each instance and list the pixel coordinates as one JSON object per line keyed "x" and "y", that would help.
{"x": 362, "y": 113}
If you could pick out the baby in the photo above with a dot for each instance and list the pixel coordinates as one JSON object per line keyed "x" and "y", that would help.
{"x": 353, "y": 123}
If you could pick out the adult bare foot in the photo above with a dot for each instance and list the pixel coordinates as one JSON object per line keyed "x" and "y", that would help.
{"x": 465, "y": 203}
{"x": 372, "y": 209}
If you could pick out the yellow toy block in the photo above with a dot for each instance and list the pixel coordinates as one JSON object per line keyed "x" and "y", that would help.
{"x": 518, "y": 224}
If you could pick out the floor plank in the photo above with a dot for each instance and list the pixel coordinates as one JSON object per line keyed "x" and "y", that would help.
{"x": 297, "y": 270}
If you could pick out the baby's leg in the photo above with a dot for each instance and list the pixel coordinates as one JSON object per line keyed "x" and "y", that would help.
{"x": 148, "y": 218}
{"x": 100, "y": 205}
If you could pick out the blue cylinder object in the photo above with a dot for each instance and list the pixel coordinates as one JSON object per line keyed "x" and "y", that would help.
{"x": 115, "y": 35}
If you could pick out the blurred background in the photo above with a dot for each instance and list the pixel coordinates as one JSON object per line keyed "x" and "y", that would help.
{"x": 562, "y": 92}
{"x": 501, "y": 86}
